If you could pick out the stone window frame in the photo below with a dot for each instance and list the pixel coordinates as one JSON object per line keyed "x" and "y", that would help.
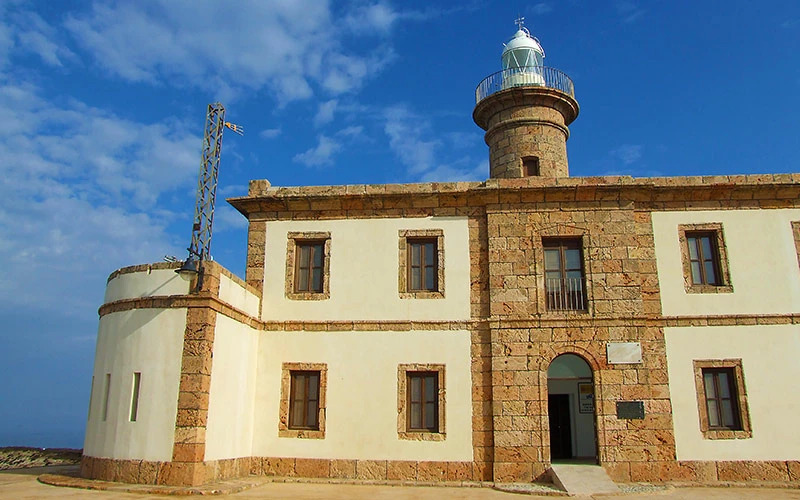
{"x": 402, "y": 402}
{"x": 722, "y": 258}
{"x": 796, "y": 233}
{"x": 562, "y": 245}
{"x": 291, "y": 262}
{"x": 402, "y": 276}
{"x": 746, "y": 430}
{"x": 562, "y": 231}
{"x": 286, "y": 389}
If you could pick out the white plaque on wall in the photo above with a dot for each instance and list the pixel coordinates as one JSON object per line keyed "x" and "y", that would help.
{"x": 620, "y": 353}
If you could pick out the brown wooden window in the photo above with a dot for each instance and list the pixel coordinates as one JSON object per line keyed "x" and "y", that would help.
{"x": 704, "y": 258}
{"x": 309, "y": 266}
{"x": 530, "y": 166}
{"x": 422, "y": 265}
{"x": 423, "y": 401}
{"x": 721, "y": 397}
{"x": 304, "y": 400}
{"x": 563, "y": 274}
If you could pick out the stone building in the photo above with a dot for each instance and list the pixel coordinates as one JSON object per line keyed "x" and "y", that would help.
{"x": 470, "y": 331}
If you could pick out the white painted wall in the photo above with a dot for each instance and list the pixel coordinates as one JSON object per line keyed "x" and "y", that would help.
{"x": 769, "y": 357}
{"x": 232, "y": 397}
{"x": 364, "y": 271}
{"x": 238, "y": 296}
{"x": 762, "y": 259}
{"x": 362, "y": 393}
{"x": 145, "y": 284}
{"x": 149, "y": 341}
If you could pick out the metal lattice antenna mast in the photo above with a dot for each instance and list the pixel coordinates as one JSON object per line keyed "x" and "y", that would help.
{"x": 200, "y": 247}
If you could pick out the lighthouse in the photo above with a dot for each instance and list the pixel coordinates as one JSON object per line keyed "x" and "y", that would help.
{"x": 526, "y": 109}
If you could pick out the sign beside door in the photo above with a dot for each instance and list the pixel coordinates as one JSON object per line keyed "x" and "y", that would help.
{"x": 586, "y": 398}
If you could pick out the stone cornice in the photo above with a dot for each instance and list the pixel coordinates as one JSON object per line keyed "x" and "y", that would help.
{"x": 409, "y": 200}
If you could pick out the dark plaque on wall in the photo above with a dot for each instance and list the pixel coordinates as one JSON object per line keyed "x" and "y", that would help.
{"x": 630, "y": 410}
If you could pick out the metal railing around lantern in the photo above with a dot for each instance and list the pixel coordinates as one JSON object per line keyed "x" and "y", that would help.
{"x": 526, "y": 76}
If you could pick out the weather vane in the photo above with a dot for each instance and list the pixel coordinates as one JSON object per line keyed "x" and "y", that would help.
{"x": 520, "y": 22}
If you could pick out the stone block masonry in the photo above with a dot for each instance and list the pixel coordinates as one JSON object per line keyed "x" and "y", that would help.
{"x": 515, "y": 334}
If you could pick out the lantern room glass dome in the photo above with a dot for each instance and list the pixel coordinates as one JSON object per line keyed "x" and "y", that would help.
{"x": 523, "y": 66}
{"x": 522, "y": 50}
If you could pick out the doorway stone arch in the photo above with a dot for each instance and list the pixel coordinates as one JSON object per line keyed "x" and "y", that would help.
{"x": 570, "y": 398}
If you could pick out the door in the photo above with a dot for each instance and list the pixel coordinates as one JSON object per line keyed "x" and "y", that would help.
{"x": 560, "y": 432}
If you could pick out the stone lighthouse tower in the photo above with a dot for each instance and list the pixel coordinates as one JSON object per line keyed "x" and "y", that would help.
{"x": 525, "y": 110}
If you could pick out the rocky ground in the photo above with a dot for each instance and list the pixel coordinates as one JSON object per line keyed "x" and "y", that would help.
{"x": 21, "y": 458}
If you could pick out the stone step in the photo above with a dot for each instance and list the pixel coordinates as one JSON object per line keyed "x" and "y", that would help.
{"x": 582, "y": 479}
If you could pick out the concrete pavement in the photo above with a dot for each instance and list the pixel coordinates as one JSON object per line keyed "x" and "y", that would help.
{"x": 23, "y": 485}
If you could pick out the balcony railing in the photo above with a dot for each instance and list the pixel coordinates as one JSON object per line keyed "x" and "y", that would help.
{"x": 526, "y": 76}
{"x": 567, "y": 294}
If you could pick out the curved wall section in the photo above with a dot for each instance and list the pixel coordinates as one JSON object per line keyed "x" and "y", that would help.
{"x": 144, "y": 341}
{"x": 149, "y": 282}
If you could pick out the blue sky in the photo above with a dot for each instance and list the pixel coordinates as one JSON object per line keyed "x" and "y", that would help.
{"x": 103, "y": 106}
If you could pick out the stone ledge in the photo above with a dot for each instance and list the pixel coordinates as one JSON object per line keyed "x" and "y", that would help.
{"x": 142, "y": 268}
{"x": 749, "y": 180}
{"x": 69, "y": 480}
{"x": 735, "y": 484}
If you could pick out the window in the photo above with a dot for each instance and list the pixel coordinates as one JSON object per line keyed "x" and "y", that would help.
{"x": 304, "y": 400}
{"x": 796, "y": 233}
{"x": 137, "y": 378}
{"x": 421, "y": 268}
{"x": 563, "y": 274}
{"x": 308, "y": 266}
{"x": 530, "y": 166}
{"x": 705, "y": 264}
{"x": 703, "y": 258}
{"x": 106, "y": 392}
{"x": 91, "y": 399}
{"x": 721, "y": 399}
{"x": 302, "y": 406}
{"x": 720, "y": 391}
{"x": 422, "y": 257}
{"x": 421, "y": 402}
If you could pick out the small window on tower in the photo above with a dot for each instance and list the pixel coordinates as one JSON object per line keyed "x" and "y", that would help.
{"x": 530, "y": 166}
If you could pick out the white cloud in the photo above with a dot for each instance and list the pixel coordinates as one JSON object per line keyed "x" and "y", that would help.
{"x": 26, "y": 32}
{"x": 227, "y": 218}
{"x": 627, "y": 153}
{"x": 450, "y": 173}
{"x": 377, "y": 18}
{"x": 628, "y": 10}
{"x": 542, "y": 8}
{"x": 270, "y": 133}
{"x": 319, "y": 155}
{"x": 285, "y": 46}
{"x": 80, "y": 190}
{"x": 36, "y": 36}
{"x": 352, "y": 131}
{"x": 410, "y": 139}
{"x": 325, "y": 112}
{"x": 233, "y": 190}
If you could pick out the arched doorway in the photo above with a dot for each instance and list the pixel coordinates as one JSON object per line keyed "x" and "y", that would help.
{"x": 570, "y": 408}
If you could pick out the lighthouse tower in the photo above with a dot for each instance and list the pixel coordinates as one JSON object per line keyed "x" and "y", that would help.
{"x": 525, "y": 110}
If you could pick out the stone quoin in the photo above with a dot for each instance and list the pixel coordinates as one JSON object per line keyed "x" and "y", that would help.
{"x": 469, "y": 331}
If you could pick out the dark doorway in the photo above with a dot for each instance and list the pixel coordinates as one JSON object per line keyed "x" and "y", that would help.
{"x": 560, "y": 432}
